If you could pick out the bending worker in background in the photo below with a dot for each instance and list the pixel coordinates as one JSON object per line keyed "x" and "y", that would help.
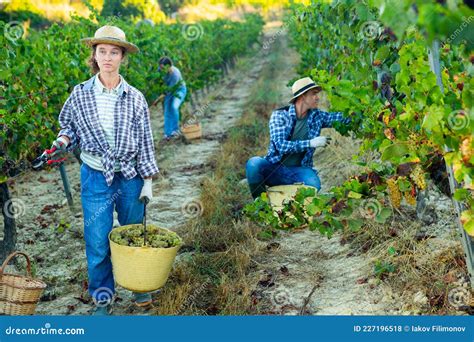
{"x": 175, "y": 95}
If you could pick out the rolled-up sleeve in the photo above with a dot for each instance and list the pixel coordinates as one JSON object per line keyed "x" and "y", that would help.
{"x": 330, "y": 118}
{"x": 146, "y": 162}
{"x": 66, "y": 124}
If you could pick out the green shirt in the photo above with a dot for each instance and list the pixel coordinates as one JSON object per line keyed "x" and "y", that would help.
{"x": 300, "y": 132}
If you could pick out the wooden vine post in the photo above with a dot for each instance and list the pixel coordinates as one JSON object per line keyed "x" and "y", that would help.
{"x": 7, "y": 245}
{"x": 467, "y": 241}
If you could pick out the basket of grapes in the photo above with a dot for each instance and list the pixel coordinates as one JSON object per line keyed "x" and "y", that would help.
{"x": 142, "y": 256}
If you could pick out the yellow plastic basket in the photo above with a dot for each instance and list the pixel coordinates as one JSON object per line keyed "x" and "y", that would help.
{"x": 141, "y": 269}
{"x": 280, "y": 193}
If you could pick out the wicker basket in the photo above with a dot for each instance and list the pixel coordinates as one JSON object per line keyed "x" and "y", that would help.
{"x": 19, "y": 294}
{"x": 192, "y": 131}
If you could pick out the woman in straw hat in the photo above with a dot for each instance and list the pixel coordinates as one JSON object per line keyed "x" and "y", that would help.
{"x": 110, "y": 121}
{"x": 294, "y": 136}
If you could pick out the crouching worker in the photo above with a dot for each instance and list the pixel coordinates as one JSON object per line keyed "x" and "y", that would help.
{"x": 294, "y": 136}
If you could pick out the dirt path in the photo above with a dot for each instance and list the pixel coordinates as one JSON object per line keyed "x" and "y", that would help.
{"x": 183, "y": 165}
{"x": 311, "y": 274}
{"x": 52, "y": 234}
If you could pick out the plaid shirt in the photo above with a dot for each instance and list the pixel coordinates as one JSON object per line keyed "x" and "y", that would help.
{"x": 133, "y": 136}
{"x": 282, "y": 122}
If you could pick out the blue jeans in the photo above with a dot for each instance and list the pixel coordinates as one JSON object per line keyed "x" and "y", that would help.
{"x": 171, "y": 111}
{"x": 261, "y": 172}
{"x": 98, "y": 204}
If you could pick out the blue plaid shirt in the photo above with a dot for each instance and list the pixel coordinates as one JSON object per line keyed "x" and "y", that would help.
{"x": 282, "y": 122}
{"x": 79, "y": 121}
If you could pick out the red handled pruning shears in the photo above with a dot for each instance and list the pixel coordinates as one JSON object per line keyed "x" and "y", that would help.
{"x": 45, "y": 159}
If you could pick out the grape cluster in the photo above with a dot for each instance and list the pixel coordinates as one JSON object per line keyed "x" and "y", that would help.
{"x": 156, "y": 237}
{"x": 411, "y": 200}
{"x": 394, "y": 192}
{"x": 418, "y": 176}
{"x": 412, "y": 139}
{"x": 466, "y": 149}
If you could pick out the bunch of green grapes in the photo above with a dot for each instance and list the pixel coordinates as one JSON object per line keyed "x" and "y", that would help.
{"x": 157, "y": 238}
{"x": 394, "y": 192}
{"x": 409, "y": 197}
{"x": 418, "y": 176}
{"x": 164, "y": 240}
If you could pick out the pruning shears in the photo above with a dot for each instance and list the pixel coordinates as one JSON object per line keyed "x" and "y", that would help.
{"x": 45, "y": 159}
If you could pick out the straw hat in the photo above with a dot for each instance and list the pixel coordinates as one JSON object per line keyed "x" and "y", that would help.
{"x": 110, "y": 35}
{"x": 301, "y": 86}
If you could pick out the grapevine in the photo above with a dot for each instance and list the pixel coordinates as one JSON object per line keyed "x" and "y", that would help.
{"x": 381, "y": 78}
{"x": 32, "y": 94}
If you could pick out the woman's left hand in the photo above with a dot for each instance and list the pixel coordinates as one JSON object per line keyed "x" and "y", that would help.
{"x": 146, "y": 195}
{"x": 159, "y": 99}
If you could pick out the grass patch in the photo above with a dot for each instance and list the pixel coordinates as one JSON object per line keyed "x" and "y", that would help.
{"x": 421, "y": 270}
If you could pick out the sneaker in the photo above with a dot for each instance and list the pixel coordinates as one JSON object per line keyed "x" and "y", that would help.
{"x": 142, "y": 299}
{"x": 176, "y": 135}
{"x": 243, "y": 182}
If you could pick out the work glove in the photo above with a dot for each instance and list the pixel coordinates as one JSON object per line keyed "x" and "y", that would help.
{"x": 319, "y": 142}
{"x": 146, "y": 195}
{"x": 61, "y": 144}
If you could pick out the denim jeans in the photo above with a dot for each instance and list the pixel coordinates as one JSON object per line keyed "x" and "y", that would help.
{"x": 171, "y": 111}
{"x": 261, "y": 172}
{"x": 98, "y": 203}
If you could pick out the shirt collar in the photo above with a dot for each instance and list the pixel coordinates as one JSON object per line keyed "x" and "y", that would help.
{"x": 292, "y": 110}
{"x": 89, "y": 84}
{"x": 99, "y": 86}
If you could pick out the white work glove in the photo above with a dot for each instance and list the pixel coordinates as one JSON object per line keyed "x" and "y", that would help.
{"x": 319, "y": 142}
{"x": 61, "y": 144}
{"x": 146, "y": 195}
